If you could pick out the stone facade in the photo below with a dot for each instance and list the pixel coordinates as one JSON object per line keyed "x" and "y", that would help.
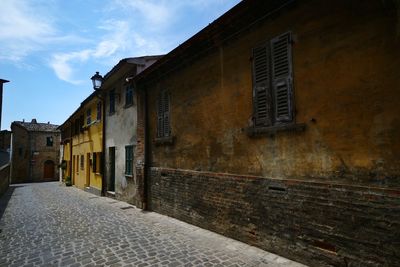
{"x": 320, "y": 186}
{"x": 35, "y": 152}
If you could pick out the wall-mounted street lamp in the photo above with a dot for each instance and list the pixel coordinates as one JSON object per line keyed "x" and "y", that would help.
{"x": 97, "y": 80}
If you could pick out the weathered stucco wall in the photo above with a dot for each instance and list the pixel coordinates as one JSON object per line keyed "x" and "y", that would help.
{"x": 326, "y": 196}
{"x": 346, "y": 61}
{"x": 121, "y": 128}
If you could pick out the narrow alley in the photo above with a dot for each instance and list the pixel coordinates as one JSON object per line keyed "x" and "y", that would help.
{"x": 47, "y": 224}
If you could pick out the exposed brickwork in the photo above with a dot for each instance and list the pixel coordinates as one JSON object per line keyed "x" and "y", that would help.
{"x": 139, "y": 150}
{"x": 317, "y": 223}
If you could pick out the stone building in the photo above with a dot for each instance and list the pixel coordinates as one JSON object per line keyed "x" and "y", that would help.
{"x": 5, "y": 147}
{"x": 278, "y": 125}
{"x": 35, "y": 151}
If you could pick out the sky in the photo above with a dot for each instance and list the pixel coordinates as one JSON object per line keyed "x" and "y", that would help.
{"x": 49, "y": 49}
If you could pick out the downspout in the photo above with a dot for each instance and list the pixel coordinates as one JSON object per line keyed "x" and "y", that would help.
{"x": 70, "y": 153}
{"x": 146, "y": 154}
{"x": 103, "y": 141}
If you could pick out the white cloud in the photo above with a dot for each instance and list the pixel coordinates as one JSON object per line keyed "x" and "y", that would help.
{"x": 22, "y": 30}
{"x": 109, "y": 48}
{"x": 61, "y": 64}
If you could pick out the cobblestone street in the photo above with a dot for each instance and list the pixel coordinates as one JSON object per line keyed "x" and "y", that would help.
{"x": 48, "y": 224}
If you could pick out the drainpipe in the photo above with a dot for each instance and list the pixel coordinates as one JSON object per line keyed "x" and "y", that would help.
{"x": 103, "y": 144}
{"x": 146, "y": 153}
{"x": 70, "y": 152}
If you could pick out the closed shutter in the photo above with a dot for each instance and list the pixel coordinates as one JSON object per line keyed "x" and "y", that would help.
{"x": 101, "y": 162}
{"x": 167, "y": 128}
{"x": 160, "y": 115}
{"x": 94, "y": 162}
{"x": 282, "y": 77}
{"x": 261, "y": 90}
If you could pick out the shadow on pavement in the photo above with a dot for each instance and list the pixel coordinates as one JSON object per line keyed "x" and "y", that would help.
{"x": 6, "y": 198}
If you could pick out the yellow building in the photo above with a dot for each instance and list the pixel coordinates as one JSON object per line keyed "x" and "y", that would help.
{"x": 82, "y": 139}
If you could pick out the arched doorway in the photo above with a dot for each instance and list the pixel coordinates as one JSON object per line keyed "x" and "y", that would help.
{"x": 48, "y": 172}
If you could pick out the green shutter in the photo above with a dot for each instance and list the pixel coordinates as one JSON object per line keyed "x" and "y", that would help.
{"x": 282, "y": 77}
{"x": 261, "y": 87}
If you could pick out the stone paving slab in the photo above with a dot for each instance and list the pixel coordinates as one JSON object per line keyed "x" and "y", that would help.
{"x": 48, "y": 224}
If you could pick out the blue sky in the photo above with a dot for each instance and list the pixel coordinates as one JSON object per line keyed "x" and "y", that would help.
{"x": 49, "y": 49}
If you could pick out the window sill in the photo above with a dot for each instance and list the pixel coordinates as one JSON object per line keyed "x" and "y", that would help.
{"x": 164, "y": 140}
{"x": 129, "y": 175}
{"x": 272, "y": 130}
{"x": 128, "y": 106}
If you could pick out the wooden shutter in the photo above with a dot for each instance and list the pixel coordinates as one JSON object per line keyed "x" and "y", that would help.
{"x": 160, "y": 115}
{"x": 101, "y": 162}
{"x": 261, "y": 87}
{"x": 282, "y": 77}
{"x": 94, "y": 162}
{"x": 167, "y": 128}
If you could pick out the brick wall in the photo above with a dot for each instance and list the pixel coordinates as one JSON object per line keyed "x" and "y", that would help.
{"x": 317, "y": 223}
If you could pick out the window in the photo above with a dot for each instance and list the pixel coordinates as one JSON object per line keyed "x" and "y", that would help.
{"x": 128, "y": 160}
{"x": 49, "y": 141}
{"x": 273, "y": 82}
{"x": 112, "y": 101}
{"x": 81, "y": 123}
{"x": 76, "y": 124}
{"x": 77, "y": 164}
{"x": 20, "y": 151}
{"x": 96, "y": 162}
{"x": 163, "y": 115}
{"x": 98, "y": 107}
{"x": 88, "y": 116}
{"x": 82, "y": 162}
{"x": 129, "y": 96}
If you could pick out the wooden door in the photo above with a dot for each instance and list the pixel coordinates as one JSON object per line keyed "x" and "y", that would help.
{"x": 48, "y": 171}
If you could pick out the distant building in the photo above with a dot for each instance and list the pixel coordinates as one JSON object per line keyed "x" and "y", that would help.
{"x": 35, "y": 151}
{"x": 5, "y": 144}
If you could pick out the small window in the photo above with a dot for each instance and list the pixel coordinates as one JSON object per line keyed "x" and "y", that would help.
{"x": 82, "y": 162}
{"x": 128, "y": 160}
{"x": 98, "y": 116}
{"x": 88, "y": 116}
{"x": 96, "y": 162}
{"x": 49, "y": 141}
{"x": 112, "y": 101}
{"x": 77, "y": 164}
{"x": 81, "y": 123}
{"x": 20, "y": 151}
{"x": 129, "y": 96}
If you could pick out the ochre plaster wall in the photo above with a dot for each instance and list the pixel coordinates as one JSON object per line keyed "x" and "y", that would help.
{"x": 87, "y": 142}
{"x": 346, "y": 60}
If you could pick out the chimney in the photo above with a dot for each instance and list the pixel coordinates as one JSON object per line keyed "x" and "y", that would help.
{"x": 48, "y": 122}
{"x": 23, "y": 120}
{"x": 33, "y": 121}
